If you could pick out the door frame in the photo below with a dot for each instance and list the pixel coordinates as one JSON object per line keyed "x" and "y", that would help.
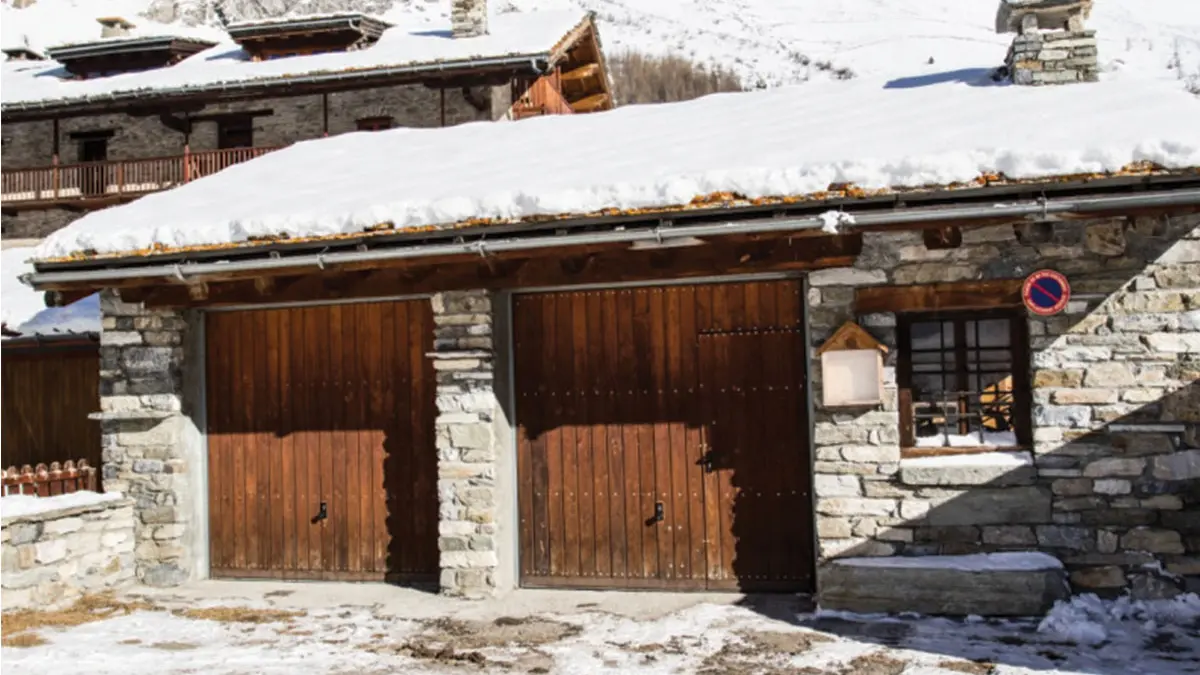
{"x": 509, "y": 351}
{"x": 196, "y": 391}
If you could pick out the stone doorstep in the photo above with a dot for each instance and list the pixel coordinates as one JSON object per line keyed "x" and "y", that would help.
{"x": 939, "y": 590}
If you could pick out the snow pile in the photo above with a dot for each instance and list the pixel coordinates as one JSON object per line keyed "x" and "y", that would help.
{"x": 510, "y": 35}
{"x": 988, "y": 439}
{"x": 832, "y": 222}
{"x": 24, "y": 309}
{"x": 760, "y": 144}
{"x": 1012, "y": 561}
{"x": 1088, "y": 620}
{"x": 1013, "y": 459}
{"x": 14, "y": 506}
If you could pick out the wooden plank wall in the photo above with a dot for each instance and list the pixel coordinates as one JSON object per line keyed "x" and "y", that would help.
{"x": 623, "y": 399}
{"x": 47, "y": 396}
{"x": 329, "y": 404}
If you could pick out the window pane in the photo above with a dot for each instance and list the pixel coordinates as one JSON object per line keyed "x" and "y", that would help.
{"x": 932, "y": 335}
{"x": 991, "y": 333}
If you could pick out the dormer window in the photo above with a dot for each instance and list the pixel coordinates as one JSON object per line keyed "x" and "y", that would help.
{"x": 279, "y": 38}
{"x": 119, "y": 52}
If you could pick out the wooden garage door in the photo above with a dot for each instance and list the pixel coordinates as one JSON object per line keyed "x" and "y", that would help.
{"x": 328, "y": 405}
{"x": 662, "y": 438}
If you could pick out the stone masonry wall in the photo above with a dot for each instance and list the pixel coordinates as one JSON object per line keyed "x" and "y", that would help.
{"x": 1114, "y": 488}
{"x": 53, "y": 558}
{"x": 144, "y": 431}
{"x": 467, "y": 463}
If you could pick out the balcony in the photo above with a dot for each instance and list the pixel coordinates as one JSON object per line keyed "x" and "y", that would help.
{"x": 94, "y": 185}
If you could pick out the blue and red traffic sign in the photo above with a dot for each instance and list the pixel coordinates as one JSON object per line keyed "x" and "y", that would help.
{"x": 1046, "y": 292}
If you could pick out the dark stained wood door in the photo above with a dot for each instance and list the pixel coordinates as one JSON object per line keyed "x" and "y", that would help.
{"x": 661, "y": 439}
{"x": 330, "y": 405}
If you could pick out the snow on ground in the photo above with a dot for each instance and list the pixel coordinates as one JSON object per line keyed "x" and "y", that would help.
{"x": 773, "y": 42}
{"x": 185, "y": 636}
{"x": 24, "y": 309}
{"x": 772, "y": 143}
{"x": 12, "y": 506}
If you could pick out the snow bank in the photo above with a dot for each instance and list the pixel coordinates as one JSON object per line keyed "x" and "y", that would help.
{"x": 24, "y": 309}
{"x": 1013, "y": 459}
{"x": 989, "y": 439}
{"x": 14, "y": 506}
{"x": 1022, "y": 561}
{"x": 1088, "y": 620}
{"x": 770, "y": 143}
{"x": 509, "y": 35}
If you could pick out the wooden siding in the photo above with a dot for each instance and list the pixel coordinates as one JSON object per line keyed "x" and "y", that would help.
{"x": 330, "y": 404}
{"x": 686, "y": 398}
{"x": 48, "y": 395}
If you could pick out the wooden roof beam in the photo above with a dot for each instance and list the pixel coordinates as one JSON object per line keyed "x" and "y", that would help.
{"x": 592, "y": 103}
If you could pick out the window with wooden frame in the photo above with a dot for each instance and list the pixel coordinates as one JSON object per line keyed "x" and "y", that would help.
{"x": 374, "y": 123}
{"x": 963, "y": 380}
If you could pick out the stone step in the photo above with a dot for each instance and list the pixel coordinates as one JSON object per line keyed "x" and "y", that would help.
{"x": 1020, "y": 583}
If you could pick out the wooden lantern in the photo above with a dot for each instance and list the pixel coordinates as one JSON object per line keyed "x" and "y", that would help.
{"x": 851, "y": 368}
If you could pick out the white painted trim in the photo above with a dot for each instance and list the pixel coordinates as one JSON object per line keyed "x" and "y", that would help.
{"x": 318, "y": 303}
{"x": 513, "y": 478}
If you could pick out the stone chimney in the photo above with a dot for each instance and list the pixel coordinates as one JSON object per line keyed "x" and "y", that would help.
{"x": 1052, "y": 46}
{"x": 114, "y": 26}
{"x": 468, "y": 18}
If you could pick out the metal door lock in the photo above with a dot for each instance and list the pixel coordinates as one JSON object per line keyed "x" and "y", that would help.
{"x": 321, "y": 515}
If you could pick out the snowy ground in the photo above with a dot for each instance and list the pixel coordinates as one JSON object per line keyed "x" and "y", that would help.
{"x": 767, "y": 42}
{"x": 368, "y": 629}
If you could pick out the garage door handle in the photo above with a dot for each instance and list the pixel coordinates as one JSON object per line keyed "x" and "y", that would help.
{"x": 321, "y": 515}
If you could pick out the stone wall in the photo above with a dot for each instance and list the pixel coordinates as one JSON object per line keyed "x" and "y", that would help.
{"x": 1114, "y": 485}
{"x": 150, "y": 444}
{"x": 1056, "y": 57}
{"x": 36, "y": 224}
{"x": 464, "y": 359}
{"x": 53, "y": 558}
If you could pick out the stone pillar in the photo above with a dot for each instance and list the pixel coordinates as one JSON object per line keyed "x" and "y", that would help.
{"x": 144, "y": 434}
{"x": 464, "y": 358}
{"x": 1058, "y": 57}
{"x": 468, "y": 18}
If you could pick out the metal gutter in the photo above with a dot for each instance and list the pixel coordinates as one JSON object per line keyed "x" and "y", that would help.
{"x": 1041, "y": 210}
{"x": 284, "y": 80}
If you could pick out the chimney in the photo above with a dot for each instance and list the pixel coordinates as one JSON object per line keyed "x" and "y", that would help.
{"x": 1052, "y": 46}
{"x": 468, "y": 18}
{"x": 114, "y": 26}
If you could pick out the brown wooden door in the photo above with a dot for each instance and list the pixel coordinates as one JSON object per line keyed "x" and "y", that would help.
{"x": 330, "y": 404}
{"x": 622, "y": 396}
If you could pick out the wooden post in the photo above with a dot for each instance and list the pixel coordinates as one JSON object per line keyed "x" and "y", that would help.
{"x": 55, "y": 179}
{"x": 187, "y": 162}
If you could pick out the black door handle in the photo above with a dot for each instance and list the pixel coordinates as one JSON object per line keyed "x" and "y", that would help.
{"x": 321, "y": 515}
{"x": 658, "y": 512}
{"x": 707, "y": 462}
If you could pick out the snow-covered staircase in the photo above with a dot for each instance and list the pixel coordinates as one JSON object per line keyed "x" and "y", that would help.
{"x": 989, "y": 584}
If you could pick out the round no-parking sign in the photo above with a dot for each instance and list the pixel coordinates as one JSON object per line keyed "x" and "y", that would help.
{"x": 1046, "y": 292}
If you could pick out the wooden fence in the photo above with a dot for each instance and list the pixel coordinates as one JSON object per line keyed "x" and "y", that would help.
{"x": 47, "y": 481}
{"x": 49, "y": 391}
{"x": 119, "y": 177}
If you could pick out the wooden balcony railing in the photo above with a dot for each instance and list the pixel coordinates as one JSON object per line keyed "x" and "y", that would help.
{"x": 97, "y": 180}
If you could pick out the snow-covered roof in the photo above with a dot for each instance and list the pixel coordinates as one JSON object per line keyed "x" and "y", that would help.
{"x": 24, "y": 309}
{"x": 785, "y": 143}
{"x": 511, "y": 36}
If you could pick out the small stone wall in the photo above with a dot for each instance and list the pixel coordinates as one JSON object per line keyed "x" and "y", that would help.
{"x": 1057, "y": 57}
{"x": 464, "y": 359}
{"x": 1111, "y": 484}
{"x": 52, "y": 558}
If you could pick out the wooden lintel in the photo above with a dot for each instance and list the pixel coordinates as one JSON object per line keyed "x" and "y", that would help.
{"x": 567, "y": 268}
{"x": 934, "y": 297}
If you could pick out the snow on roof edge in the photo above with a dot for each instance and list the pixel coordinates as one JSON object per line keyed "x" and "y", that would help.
{"x": 333, "y": 67}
